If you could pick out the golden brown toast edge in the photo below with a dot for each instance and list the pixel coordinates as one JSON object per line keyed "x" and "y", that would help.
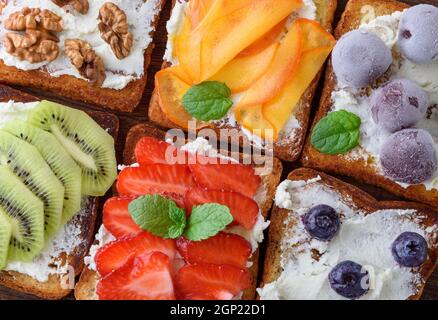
{"x": 85, "y": 288}
{"x": 289, "y": 148}
{"x": 338, "y": 163}
{"x": 125, "y": 100}
{"x": 272, "y": 268}
{"x": 52, "y": 289}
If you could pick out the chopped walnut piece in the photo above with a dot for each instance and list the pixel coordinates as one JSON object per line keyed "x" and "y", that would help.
{"x": 34, "y": 18}
{"x": 85, "y": 59}
{"x": 114, "y": 29}
{"x": 34, "y": 46}
{"x": 80, "y": 6}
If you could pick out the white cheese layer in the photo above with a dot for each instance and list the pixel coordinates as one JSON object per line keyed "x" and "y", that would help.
{"x": 364, "y": 239}
{"x": 140, "y": 16}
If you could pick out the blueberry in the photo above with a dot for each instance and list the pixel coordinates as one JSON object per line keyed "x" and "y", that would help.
{"x": 409, "y": 156}
{"x": 409, "y": 249}
{"x": 399, "y": 104}
{"x": 418, "y": 34}
{"x": 322, "y": 222}
{"x": 349, "y": 279}
{"x": 359, "y": 58}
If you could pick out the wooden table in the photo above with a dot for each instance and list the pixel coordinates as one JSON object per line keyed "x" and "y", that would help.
{"x": 127, "y": 120}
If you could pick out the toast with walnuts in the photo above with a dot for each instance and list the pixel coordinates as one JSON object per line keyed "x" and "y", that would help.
{"x": 287, "y": 141}
{"x": 51, "y": 275}
{"x": 85, "y": 59}
{"x": 389, "y": 249}
{"x": 381, "y": 158}
{"x": 86, "y": 287}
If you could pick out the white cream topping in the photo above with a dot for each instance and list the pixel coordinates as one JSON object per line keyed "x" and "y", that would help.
{"x": 372, "y": 136}
{"x": 103, "y": 236}
{"x": 140, "y": 16}
{"x": 365, "y": 239}
{"x": 12, "y": 110}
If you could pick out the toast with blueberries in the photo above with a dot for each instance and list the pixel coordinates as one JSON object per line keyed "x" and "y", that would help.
{"x": 249, "y": 79}
{"x": 332, "y": 241}
{"x": 49, "y": 191}
{"x": 377, "y": 117}
{"x": 220, "y": 264}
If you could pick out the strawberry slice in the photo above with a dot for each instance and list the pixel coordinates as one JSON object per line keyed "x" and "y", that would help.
{"x": 116, "y": 253}
{"x": 152, "y": 151}
{"x": 146, "y": 277}
{"x": 155, "y": 178}
{"x": 243, "y": 209}
{"x": 215, "y": 281}
{"x": 230, "y": 176}
{"x": 224, "y": 248}
{"x": 117, "y": 219}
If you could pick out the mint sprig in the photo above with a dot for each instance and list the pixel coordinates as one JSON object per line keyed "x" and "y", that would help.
{"x": 336, "y": 133}
{"x": 163, "y": 218}
{"x": 209, "y": 100}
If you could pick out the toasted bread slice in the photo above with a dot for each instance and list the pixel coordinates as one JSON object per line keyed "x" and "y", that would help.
{"x": 340, "y": 164}
{"x": 85, "y": 289}
{"x": 290, "y": 143}
{"x": 125, "y": 100}
{"x": 284, "y": 223}
{"x": 81, "y": 226}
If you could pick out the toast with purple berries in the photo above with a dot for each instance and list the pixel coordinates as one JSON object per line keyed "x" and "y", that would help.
{"x": 363, "y": 169}
{"x": 295, "y": 242}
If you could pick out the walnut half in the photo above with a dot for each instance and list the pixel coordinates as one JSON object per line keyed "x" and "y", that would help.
{"x": 114, "y": 29}
{"x": 85, "y": 59}
{"x": 80, "y": 6}
{"x": 33, "y": 18}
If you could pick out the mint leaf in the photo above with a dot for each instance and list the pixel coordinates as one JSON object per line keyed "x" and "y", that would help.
{"x": 158, "y": 215}
{"x": 209, "y": 100}
{"x": 207, "y": 221}
{"x": 336, "y": 133}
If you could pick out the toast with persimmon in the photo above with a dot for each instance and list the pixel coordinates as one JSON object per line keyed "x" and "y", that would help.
{"x": 291, "y": 121}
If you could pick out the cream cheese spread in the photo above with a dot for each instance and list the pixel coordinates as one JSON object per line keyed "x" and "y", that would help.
{"x": 12, "y": 110}
{"x": 365, "y": 239}
{"x": 140, "y": 16}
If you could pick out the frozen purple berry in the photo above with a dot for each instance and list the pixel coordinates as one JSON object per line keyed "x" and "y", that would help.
{"x": 418, "y": 34}
{"x": 409, "y": 156}
{"x": 322, "y": 222}
{"x": 409, "y": 249}
{"x": 349, "y": 279}
{"x": 399, "y": 104}
{"x": 359, "y": 58}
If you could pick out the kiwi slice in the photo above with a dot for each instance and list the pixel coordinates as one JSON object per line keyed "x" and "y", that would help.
{"x": 25, "y": 214}
{"x": 5, "y": 237}
{"x": 58, "y": 159}
{"x": 88, "y": 144}
{"x": 29, "y": 166}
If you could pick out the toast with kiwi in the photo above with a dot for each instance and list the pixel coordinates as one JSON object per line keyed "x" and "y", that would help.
{"x": 289, "y": 144}
{"x": 86, "y": 287}
{"x": 55, "y": 219}
{"x": 366, "y": 232}
{"x": 121, "y": 98}
{"x": 368, "y": 171}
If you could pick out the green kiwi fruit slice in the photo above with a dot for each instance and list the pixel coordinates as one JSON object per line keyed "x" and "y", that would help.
{"x": 28, "y": 165}
{"x": 88, "y": 144}
{"x": 25, "y": 214}
{"x": 5, "y": 237}
{"x": 58, "y": 159}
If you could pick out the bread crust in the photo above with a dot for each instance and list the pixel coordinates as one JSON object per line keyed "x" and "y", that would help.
{"x": 339, "y": 164}
{"x": 125, "y": 100}
{"x": 86, "y": 287}
{"x": 287, "y": 147}
{"x": 272, "y": 268}
{"x": 52, "y": 289}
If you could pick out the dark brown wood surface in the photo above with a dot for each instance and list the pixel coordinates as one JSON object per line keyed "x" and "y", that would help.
{"x": 140, "y": 116}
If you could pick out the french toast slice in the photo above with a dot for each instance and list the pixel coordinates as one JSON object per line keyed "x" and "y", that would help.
{"x": 81, "y": 227}
{"x": 341, "y": 164}
{"x": 86, "y": 287}
{"x": 289, "y": 145}
{"x": 284, "y": 226}
{"x": 124, "y": 100}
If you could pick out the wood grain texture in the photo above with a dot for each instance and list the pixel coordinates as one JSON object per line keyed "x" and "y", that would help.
{"x": 140, "y": 116}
